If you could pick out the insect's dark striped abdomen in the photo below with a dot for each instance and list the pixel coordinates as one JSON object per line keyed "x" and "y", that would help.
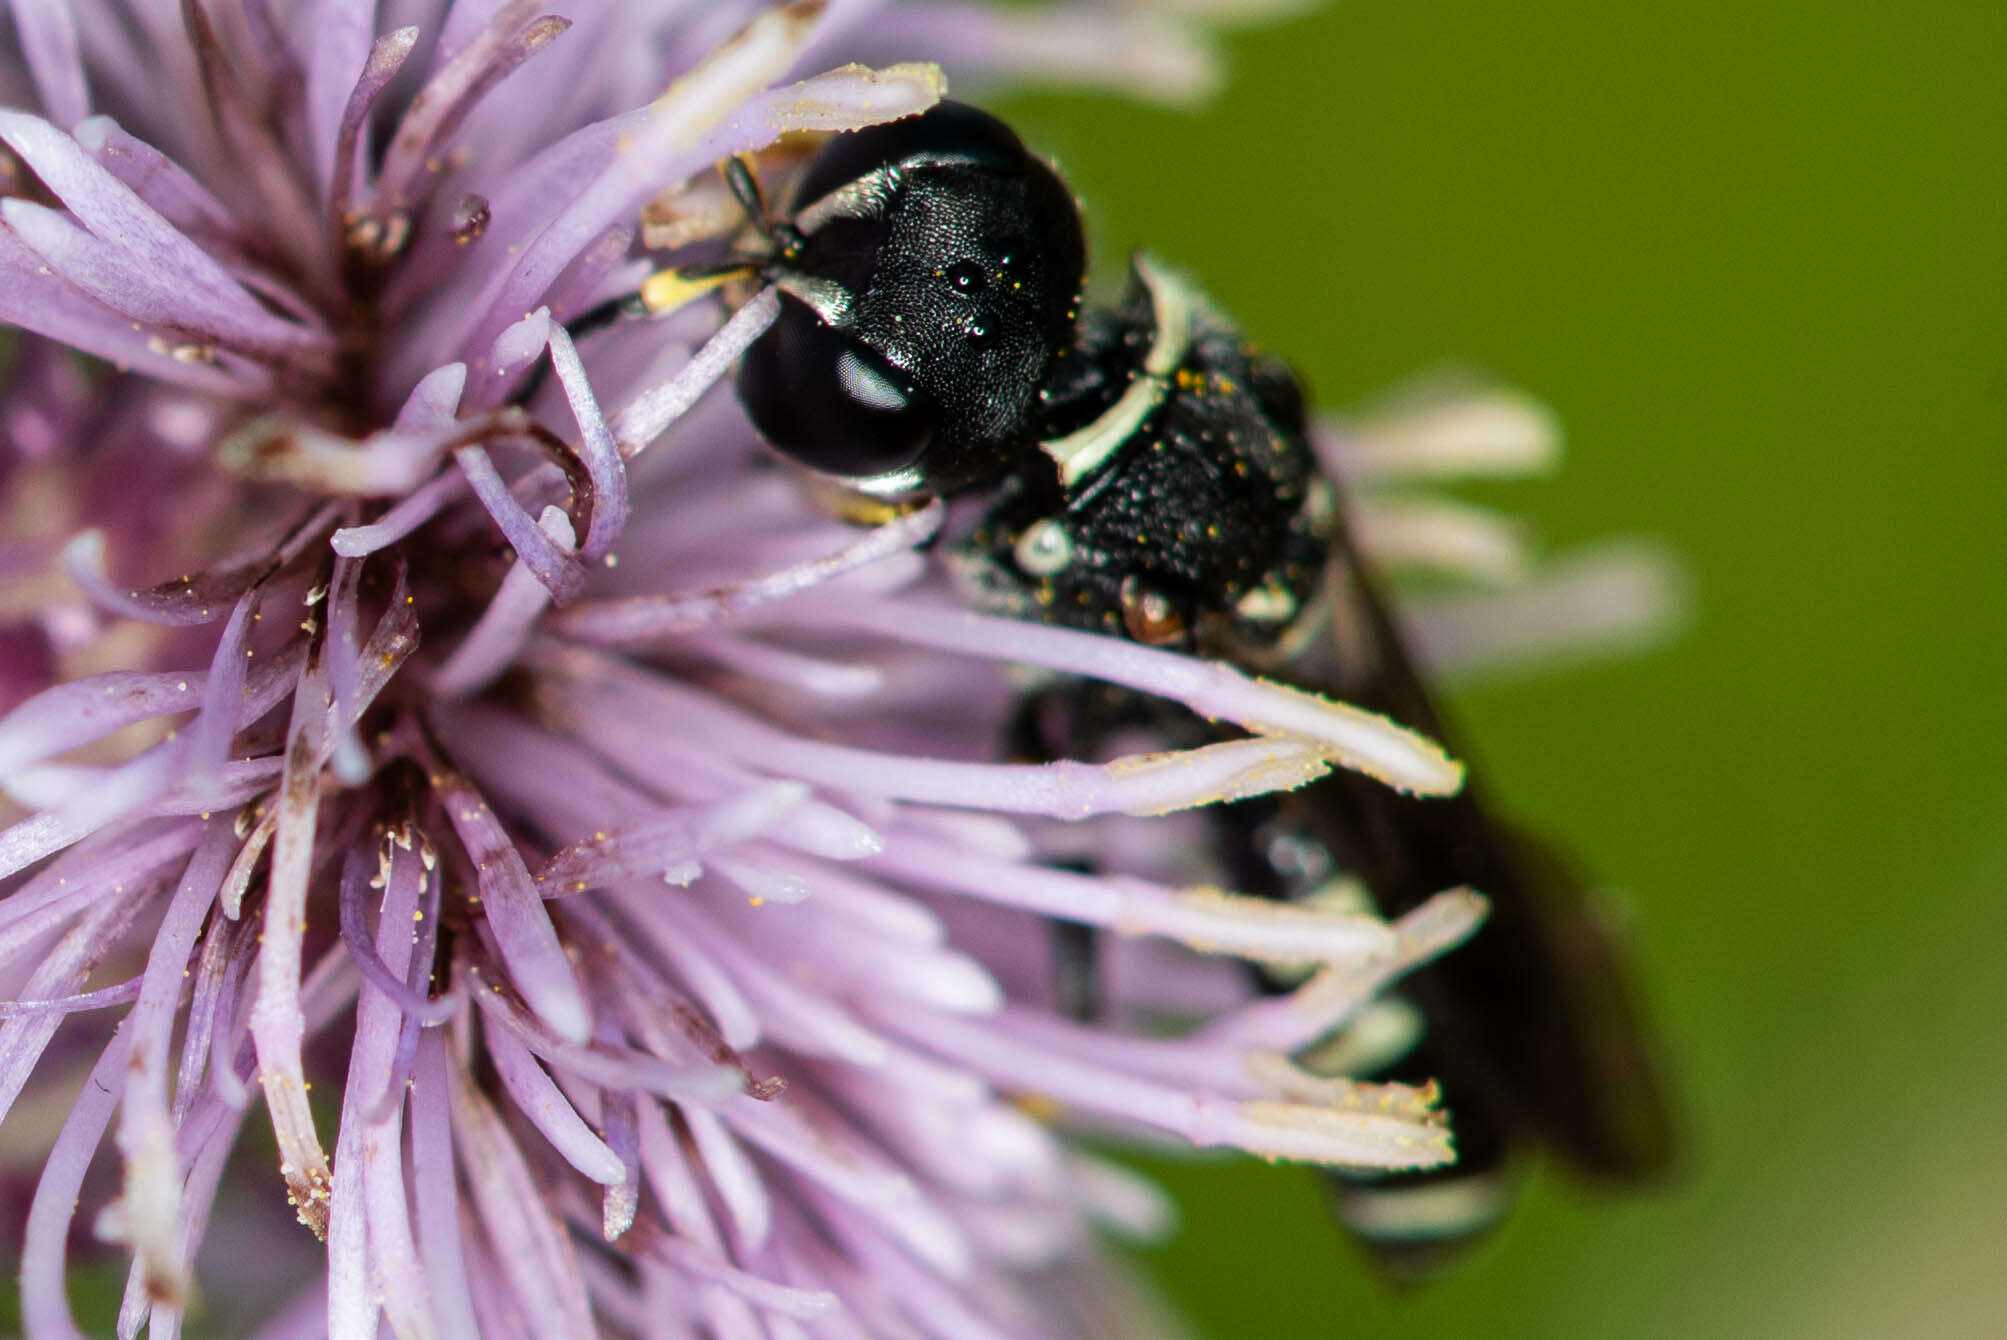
{"x": 1530, "y": 1026}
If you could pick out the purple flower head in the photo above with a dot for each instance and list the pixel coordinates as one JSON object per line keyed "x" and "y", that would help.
{"x": 459, "y": 751}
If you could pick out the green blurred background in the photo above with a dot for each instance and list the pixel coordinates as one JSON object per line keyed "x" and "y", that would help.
{"x": 1754, "y": 255}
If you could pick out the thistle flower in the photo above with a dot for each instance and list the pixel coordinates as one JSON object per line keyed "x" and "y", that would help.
{"x": 457, "y": 747}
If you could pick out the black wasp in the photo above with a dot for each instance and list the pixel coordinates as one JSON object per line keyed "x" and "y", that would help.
{"x": 1145, "y": 471}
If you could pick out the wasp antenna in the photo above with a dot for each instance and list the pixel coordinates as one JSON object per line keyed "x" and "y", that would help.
{"x": 598, "y": 318}
{"x": 666, "y": 291}
{"x": 660, "y": 293}
{"x": 745, "y": 187}
{"x": 783, "y": 238}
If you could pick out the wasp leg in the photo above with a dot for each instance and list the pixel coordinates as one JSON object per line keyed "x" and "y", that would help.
{"x": 1070, "y": 720}
{"x": 1076, "y": 967}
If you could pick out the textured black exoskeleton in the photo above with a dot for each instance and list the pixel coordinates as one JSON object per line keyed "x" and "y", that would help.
{"x": 1145, "y": 471}
{"x": 936, "y": 275}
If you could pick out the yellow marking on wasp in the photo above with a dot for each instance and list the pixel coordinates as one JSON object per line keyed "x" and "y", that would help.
{"x": 668, "y": 290}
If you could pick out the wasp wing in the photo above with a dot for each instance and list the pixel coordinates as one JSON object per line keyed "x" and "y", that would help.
{"x": 1532, "y": 1026}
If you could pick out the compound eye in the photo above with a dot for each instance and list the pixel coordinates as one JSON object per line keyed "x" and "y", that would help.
{"x": 828, "y": 400}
